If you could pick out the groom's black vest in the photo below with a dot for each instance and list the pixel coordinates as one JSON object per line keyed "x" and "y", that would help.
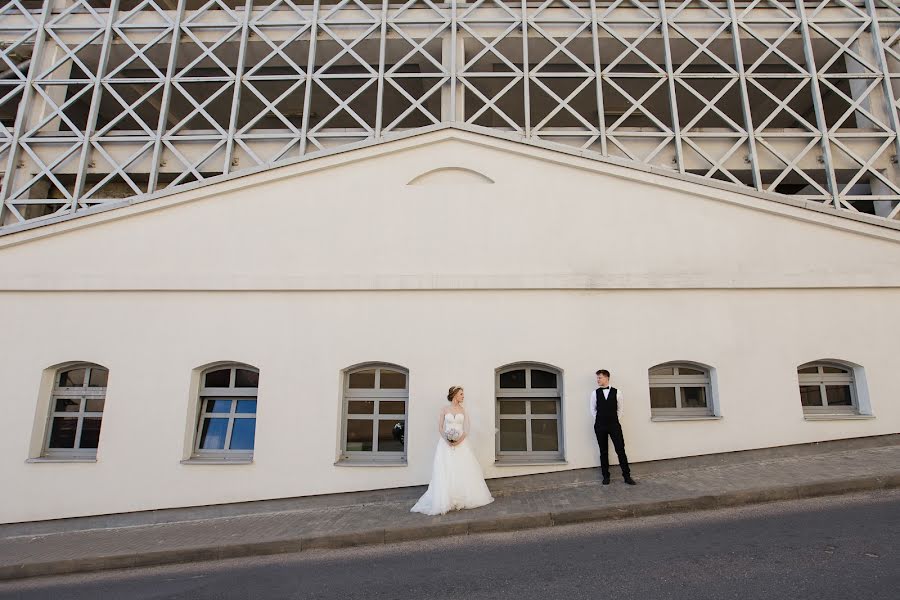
{"x": 607, "y": 416}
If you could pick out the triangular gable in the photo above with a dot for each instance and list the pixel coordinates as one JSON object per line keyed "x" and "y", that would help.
{"x": 500, "y": 215}
{"x": 427, "y": 135}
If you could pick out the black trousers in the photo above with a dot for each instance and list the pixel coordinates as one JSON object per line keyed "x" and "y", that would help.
{"x": 615, "y": 433}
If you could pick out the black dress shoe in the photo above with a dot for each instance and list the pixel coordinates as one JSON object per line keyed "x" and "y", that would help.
{"x": 630, "y": 481}
{"x": 606, "y": 481}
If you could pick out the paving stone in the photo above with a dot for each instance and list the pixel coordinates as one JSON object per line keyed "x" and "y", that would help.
{"x": 339, "y": 520}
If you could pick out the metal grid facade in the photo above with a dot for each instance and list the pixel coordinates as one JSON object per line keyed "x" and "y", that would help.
{"x": 107, "y": 100}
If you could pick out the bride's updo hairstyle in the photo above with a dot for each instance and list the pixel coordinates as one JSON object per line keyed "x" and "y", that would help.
{"x": 453, "y": 391}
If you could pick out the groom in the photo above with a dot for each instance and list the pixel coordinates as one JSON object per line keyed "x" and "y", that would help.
{"x": 606, "y": 408}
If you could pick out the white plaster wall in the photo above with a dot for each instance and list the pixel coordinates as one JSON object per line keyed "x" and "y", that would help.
{"x": 306, "y": 270}
{"x": 301, "y": 341}
{"x": 351, "y": 222}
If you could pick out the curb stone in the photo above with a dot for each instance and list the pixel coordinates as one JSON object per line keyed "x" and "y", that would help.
{"x": 438, "y": 530}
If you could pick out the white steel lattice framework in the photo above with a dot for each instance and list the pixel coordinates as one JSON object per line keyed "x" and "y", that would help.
{"x": 101, "y": 100}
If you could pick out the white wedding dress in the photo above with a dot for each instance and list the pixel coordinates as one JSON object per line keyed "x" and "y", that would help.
{"x": 456, "y": 480}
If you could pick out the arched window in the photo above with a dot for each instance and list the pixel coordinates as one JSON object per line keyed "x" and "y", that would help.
{"x": 226, "y": 424}
{"x": 529, "y": 414}
{"x": 827, "y": 388}
{"x": 680, "y": 390}
{"x": 76, "y": 412}
{"x": 375, "y": 399}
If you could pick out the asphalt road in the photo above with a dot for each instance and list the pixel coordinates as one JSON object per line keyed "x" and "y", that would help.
{"x": 842, "y": 548}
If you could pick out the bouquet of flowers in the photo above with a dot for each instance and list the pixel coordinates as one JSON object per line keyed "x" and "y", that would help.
{"x": 452, "y": 434}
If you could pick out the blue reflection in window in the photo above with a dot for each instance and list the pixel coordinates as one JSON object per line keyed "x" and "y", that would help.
{"x": 246, "y": 406}
{"x": 212, "y": 437}
{"x": 218, "y": 406}
{"x": 243, "y": 434}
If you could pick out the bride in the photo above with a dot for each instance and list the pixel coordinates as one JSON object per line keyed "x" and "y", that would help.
{"x": 456, "y": 480}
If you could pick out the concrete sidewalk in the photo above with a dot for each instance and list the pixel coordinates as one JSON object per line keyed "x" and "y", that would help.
{"x": 298, "y": 524}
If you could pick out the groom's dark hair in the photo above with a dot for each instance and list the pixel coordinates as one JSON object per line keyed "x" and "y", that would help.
{"x": 603, "y": 372}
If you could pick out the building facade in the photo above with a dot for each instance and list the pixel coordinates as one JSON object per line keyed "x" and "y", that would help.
{"x": 246, "y": 248}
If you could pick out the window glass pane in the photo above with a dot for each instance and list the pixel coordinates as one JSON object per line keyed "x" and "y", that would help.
{"x": 512, "y": 407}
{"x": 212, "y": 436}
{"x": 543, "y": 407}
{"x": 689, "y": 371}
{"x": 361, "y": 407}
{"x": 662, "y": 371}
{"x": 513, "y": 379}
{"x": 246, "y": 379}
{"x": 544, "y": 437}
{"x": 220, "y": 378}
{"x": 393, "y": 407}
{"x": 834, "y": 370}
{"x": 390, "y": 435}
{"x": 68, "y": 404}
{"x": 359, "y": 435}
{"x": 218, "y": 406}
{"x": 810, "y": 395}
{"x": 693, "y": 397}
{"x": 246, "y": 406}
{"x": 392, "y": 380}
{"x": 542, "y": 379}
{"x": 362, "y": 380}
{"x": 512, "y": 435}
{"x": 243, "y": 434}
{"x": 73, "y": 378}
{"x": 94, "y": 405}
{"x": 838, "y": 395}
{"x": 812, "y": 370}
{"x": 98, "y": 377}
{"x": 662, "y": 397}
{"x": 62, "y": 434}
{"x": 90, "y": 432}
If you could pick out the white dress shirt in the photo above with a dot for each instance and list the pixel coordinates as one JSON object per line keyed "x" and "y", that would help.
{"x": 606, "y": 395}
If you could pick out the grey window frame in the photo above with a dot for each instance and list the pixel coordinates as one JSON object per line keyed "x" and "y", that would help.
{"x": 224, "y": 393}
{"x": 83, "y": 393}
{"x": 823, "y": 379}
{"x": 529, "y": 394}
{"x": 679, "y": 381}
{"x": 376, "y": 394}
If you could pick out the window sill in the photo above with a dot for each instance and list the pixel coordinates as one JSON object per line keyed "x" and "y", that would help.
{"x": 529, "y": 463}
{"x": 48, "y": 459}
{"x": 358, "y": 462}
{"x": 837, "y": 417}
{"x": 661, "y": 419}
{"x": 218, "y": 461}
